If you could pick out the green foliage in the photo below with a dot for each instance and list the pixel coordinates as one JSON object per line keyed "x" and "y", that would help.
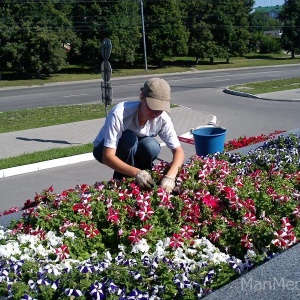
{"x": 33, "y": 34}
{"x": 167, "y": 35}
{"x": 260, "y": 22}
{"x": 41, "y": 37}
{"x": 290, "y": 16}
{"x": 269, "y": 44}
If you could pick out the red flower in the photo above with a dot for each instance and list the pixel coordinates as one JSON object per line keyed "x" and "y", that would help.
{"x": 165, "y": 198}
{"x": 89, "y": 230}
{"x": 62, "y": 252}
{"x": 176, "y": 241}
{"x": 246, "y": 241}
{"x": 113, "y": 216}
{"x": 285, "y": 224}
{"x": 236, "y": 203}
{"x": 187, "y": 232}
{"x": 296, "y": 212}
{"x": 249, "y": 218}
{"x": 214, "y": 236}
{"x": 145, "y": 212}
{"x": 211, "y": 201}
{"x": 281, "y": 239}
{"x": 124, "y": 194}
{"x": 83, "y": 209}
{"x": 135, "y": 236}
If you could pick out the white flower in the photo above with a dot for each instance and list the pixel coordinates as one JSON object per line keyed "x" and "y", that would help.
{"x": 70, "y": 234}
{"x": 2, "y": 234}
{"x": 27, "y": 238}
{"x": 108, "y": 256}
{"x": 42, "y": 251}
{"x": 26, "y": 256}
{"x": 251, "y": 253}
{"x": 121, "y": 247}
{"x": 53, "y": 239}
{"x": 11, "y": 248}
{"x": 160, "y": 250}
{"x": 166, "y": 242}
{"x": 141, "y": 246}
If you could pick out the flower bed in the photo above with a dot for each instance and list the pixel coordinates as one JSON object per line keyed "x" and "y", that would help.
{"x": 227, "y": 215}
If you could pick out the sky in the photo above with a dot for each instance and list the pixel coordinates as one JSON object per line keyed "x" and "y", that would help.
{"x": 268, "y": 3}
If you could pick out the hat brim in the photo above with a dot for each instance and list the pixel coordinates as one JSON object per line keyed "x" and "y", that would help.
{"x": 155, "y": 104}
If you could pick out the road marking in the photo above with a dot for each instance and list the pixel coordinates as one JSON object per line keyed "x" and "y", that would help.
{"x": 75, "y": 95}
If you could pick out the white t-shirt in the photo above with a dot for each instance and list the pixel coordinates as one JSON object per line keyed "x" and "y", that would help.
{"x": 124, "y": 116}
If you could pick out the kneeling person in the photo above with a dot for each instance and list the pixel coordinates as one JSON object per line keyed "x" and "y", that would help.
{"x": 126, "y": 142}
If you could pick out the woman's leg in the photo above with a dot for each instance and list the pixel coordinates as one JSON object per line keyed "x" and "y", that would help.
{"x": 148, "y": 149}
{"x": 126, "y": 149}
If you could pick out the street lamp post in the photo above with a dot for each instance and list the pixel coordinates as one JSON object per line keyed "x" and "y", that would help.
{"x": 144, "y": 38}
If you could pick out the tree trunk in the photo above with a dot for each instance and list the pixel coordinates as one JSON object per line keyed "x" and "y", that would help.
{"x": 293, "y": 55}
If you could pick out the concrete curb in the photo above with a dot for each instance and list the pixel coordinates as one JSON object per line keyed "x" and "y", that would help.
{"x": 248, "y": 95}
{"x": 46, "y": 165}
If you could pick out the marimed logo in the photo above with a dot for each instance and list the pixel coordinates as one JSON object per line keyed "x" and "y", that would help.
{"x": 271, "y": 285}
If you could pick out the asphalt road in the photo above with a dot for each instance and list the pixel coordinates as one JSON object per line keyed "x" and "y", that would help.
{"x": 128, "y": 88}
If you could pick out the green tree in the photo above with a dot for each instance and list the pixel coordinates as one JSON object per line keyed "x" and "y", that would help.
{"x": 201, "y": 43}
{"x": 260, "y": 22}
{"x": 33, "y": 35}
{"x": 166, "y": 33}
{"x": 124, "y": 29}
{"x": 290, "y": 16}
{"x": 219, "y": 29}
{"x": 90, "y": 21}
{"x": 230, "y": 27}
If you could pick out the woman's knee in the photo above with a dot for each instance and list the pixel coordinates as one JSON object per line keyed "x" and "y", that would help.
{"x": 127, "y": 140}
{"x": 149, "y": 146}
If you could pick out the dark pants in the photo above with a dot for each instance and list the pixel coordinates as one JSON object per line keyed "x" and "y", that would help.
{"x": 137, "y": 152}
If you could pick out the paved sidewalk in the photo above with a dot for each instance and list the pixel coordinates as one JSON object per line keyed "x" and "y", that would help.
{"x": 74, "y": 134}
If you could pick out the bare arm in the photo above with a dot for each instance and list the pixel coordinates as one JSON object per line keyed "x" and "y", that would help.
{"x": 110, "y": 159}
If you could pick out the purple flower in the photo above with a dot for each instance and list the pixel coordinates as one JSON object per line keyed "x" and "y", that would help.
{"x": 97, "y": 290}
{"x": 73, "y": 292}
{"x": 137, "y": 294}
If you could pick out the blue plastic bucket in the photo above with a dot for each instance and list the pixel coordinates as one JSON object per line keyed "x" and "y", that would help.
{"x": 209, "y": 140}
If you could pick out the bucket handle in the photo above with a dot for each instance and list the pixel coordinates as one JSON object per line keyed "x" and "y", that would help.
{"x": 210, "y": 124}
